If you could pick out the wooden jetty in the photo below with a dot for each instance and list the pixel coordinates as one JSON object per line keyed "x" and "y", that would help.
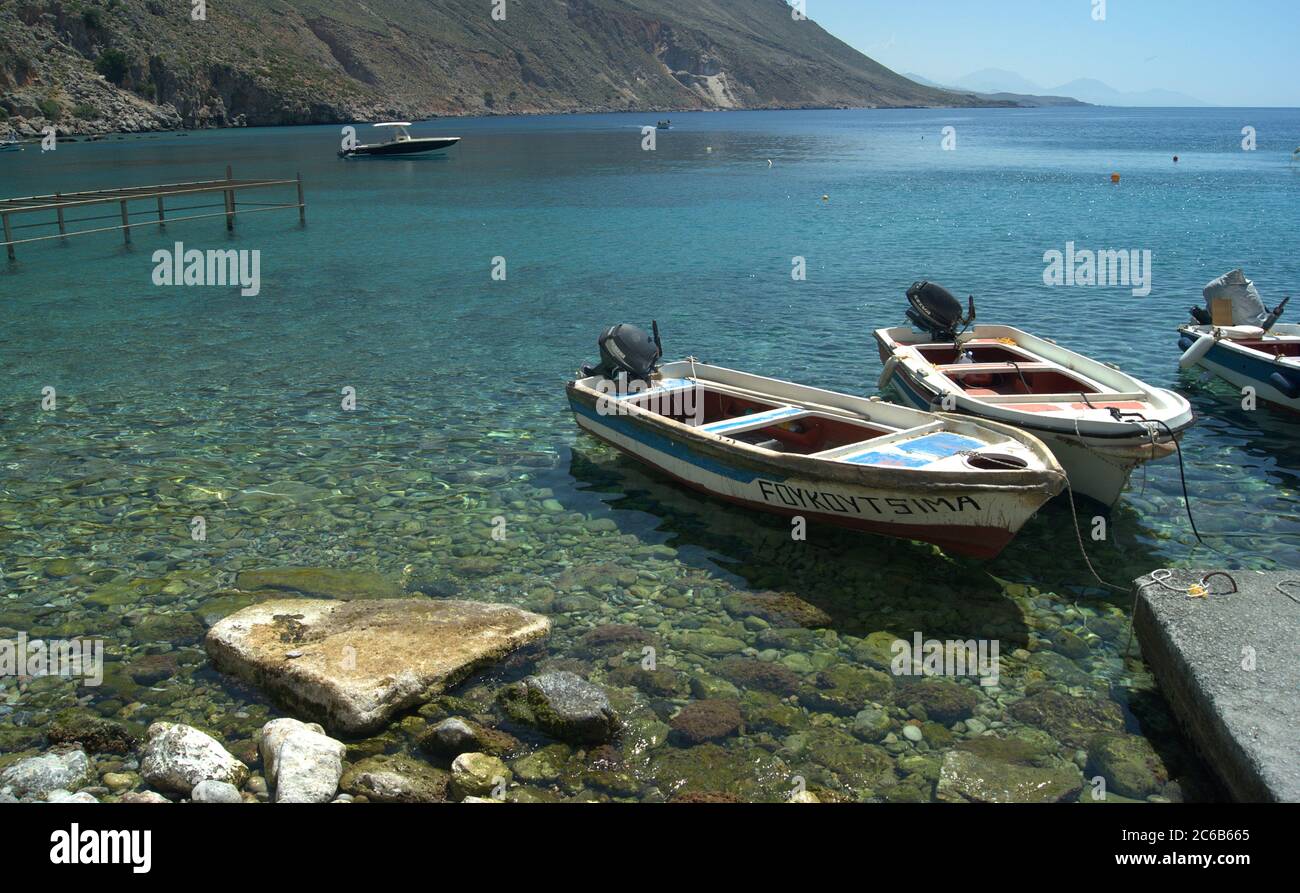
{"x": 61, "y": 203}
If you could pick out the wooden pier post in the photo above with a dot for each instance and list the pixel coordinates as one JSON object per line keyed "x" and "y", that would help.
{"x": 162, "y": 217}
{"x": 302, "y": 205}
{"x": 63, "y": 229}
{"x": 230, "y": 202}
{"x": 8, "y": 236}
{"x": 126, "y": 224}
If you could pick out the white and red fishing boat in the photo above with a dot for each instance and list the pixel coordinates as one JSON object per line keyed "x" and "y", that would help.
{"x": 1100, "y": 422}
{"x": 1238, "y": 339}
{"x": 792, "y": 450}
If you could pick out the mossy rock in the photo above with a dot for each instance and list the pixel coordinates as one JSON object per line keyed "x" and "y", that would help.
{"x": 942, "y": 700}
{"x": 663, "y": 682}
{"x": 780, "y": 609}
{"x": 750, "y": 774}
{"x": 595, "y": 577}
{"x": 396, "y": 779}
{"x": 765, "y": 712}
{"x": 861, "y": 768}
{"x": 845, "y": 690}
{"x": 760, "y": 675}
{"x": 1129, "y": 763}
{"x": 94, "y": 733}
{"x": 182, "y": 628}
{"x": 321, "y": 582}
{"x": 1074, "y": 721}
{"x": 615, "y": 638}
{"x": 544, "y": 765}
{"x": 701, "y": 721}
{"x": 877, "y": 650}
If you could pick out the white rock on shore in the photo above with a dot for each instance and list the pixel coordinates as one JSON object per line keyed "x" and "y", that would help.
{"x": 353, "y": 665}
{"x": 303, "y": 763}
{"x": 177, "y": 757}
{"x": 39, "y": 776}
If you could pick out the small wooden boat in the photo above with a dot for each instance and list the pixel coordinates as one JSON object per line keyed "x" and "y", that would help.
{"x": 401, "y": 143}
{"x": 1239, "y": 340}
{"x": 665, "y": 125}
{"x": 1100, "y": 422}
{"x": 792, "y": 450}
{"x": 10, "y": 143}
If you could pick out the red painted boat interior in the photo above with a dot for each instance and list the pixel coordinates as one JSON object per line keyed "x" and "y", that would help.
{"x": 802, "y": 436}
{"x": 1012, "y": 378}
{"x": 946, "y": 354}
{"x": 1275, "y": 348}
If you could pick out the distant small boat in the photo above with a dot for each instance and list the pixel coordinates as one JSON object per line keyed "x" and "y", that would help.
{"x": 1238, "y": 339}
{"x": 401, "y": 143}
{"x": 786, "y": 449}
{"x": 1100, "y": 422}
{"x": 665, "y": 125}
{"x": 10, "y": 143}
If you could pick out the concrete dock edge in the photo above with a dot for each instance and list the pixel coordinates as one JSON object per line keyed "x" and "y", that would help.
{"x": 1229, "y": 665}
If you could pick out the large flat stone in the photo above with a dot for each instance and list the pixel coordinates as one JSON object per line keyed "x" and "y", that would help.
{"x": 353, "y": 665}
{"x": 1229, "y": 664}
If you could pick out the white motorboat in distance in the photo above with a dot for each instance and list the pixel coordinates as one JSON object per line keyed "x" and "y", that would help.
{"x": 401, "y": 143}
{"x": 1100, "y": 422}
{"x": 787, "y": 449}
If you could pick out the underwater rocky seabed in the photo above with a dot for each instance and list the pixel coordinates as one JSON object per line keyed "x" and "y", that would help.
{"x": 770, "y": 652}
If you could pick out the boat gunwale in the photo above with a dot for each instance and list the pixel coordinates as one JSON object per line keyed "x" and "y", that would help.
{"x": 1115, "y": 435}
{"x": 1050, "y": 476}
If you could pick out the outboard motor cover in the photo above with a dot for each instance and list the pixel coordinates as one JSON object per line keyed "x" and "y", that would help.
{"x": 627, "y": 349}
{"x": 935, "y": 310}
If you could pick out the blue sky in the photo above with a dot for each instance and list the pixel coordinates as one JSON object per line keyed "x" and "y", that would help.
{"x": 1225, "y": 52}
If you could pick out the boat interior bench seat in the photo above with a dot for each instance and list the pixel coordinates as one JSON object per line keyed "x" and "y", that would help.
{"x": 741, "y": 424}
{"x": 960, "y": 369}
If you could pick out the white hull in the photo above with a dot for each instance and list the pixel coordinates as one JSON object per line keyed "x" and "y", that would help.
{"x": 1098, "y": 451}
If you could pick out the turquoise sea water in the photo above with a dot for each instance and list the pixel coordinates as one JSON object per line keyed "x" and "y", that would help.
{"x": 176, "y": 402}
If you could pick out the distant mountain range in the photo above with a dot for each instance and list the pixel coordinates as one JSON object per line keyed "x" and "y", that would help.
{"x": 99, "y": 65}
{"x": 997, "y": 81}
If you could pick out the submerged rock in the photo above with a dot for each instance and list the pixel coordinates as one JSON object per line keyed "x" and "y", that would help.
{"x": 702, "y": 721}
{"x": 95, "y": 734}
{"x": 454, "y": 736}
{"x": 303, "y": 763}
{"x": 970, "y": 777}
{"x": 477, "y": 775}
{"x": 396, "y": 779}
{"x": 1071, "y": 720}
{"x": 756, "y": 674}
{"x": 781, "y": 609}
{"x": 320, "y": 582}
{"x": 177, "y": 757}
{"x": 353, "y": 665}
{"x": 847, "y": 690}
{"x": 1129, "y": 764}
{"x": 38, "y": 776}
{"x": 942, "y": 699}
{"x": 564, "y": 706}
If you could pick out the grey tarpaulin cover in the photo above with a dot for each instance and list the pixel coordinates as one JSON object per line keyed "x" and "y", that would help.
{"x": 1247, "y": 308}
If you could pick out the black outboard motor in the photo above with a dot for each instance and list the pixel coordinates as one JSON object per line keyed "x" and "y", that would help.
{"x": 936, "y": 311}
{"x": 627, "y": 350}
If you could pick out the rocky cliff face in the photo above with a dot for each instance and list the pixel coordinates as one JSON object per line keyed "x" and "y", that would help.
{"x": 101, "y": 65}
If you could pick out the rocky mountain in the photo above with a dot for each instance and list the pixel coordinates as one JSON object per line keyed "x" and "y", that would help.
{"x": 99, "y": 65}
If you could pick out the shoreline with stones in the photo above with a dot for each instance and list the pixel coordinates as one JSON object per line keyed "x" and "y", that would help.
{"x": 423, "y": 698}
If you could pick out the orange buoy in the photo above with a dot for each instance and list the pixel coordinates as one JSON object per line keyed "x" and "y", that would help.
{"x": 1114, "y": 178}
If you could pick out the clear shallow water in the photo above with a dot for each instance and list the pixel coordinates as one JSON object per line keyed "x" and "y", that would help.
{"x": 182, "y": 401}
